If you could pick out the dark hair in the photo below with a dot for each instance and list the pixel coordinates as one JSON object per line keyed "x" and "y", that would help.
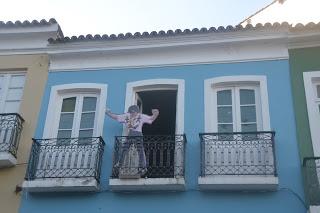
{"x": 133, "y": 108}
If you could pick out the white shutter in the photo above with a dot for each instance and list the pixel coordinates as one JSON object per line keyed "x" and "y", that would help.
{"x": 11, "y": 92}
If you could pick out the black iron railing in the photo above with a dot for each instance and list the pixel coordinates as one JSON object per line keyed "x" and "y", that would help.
{"x": 65, "y": 158}
{"x": 311, "y": 170}
{"x": 10, "y": 131}
{"x": 238, "y": 153}
{"x": 149, "y": 156}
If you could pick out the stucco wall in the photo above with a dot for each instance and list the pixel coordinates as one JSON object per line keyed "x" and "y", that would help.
{"x": 303, "y": 60}
{"x": 192, "y": 200}
{"x": 36, "y": 67}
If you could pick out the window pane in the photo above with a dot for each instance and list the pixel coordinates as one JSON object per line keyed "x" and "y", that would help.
{"x": 87, "y": 120}
{"x": 14, "y": 94}
{"x": 225, "y": 114}
{"x": 225, "y": 128}
{"x": 248, "y": 114}
{"x": 89, "y": 104}
{"x": 68, "y": 104}
{"x": 66, "y": 121}
{"x": 17, "y": 81}
{"x": 318, "y": 91}
{"x": 247, "y": 96}
{"x": 11, "y": 106}
{"x": 224, "y": 97}
{"x": 64, "y": 134}
{"x": 85, "y": 133}
{"x": 249, "y": 127}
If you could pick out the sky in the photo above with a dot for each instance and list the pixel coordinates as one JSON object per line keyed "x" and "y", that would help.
{"x": 82, "y": 17}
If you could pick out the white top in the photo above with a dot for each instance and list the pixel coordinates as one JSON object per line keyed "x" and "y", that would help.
{"x": 134, "y": 123}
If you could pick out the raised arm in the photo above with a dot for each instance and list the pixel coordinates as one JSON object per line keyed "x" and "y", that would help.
{"x": 111, "y": 115}
{"x": 155, "y": 114}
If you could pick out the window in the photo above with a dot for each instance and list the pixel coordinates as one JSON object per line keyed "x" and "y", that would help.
{"x": 312, "y": 91}
{"x": 77, "y": 116}
{"x": 236, "y": 104}
{"x": 237, "y": 109}
{"x": 11, "y": 90}
{"x": 317, "y": 99}
{"x": 76, "y": 110}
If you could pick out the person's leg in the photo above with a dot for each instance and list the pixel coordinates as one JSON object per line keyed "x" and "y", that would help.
{"x": 138, "y": 140}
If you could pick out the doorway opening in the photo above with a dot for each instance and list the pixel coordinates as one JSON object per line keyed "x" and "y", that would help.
{"x": 159, "y": 143}
{"x": 163, "y": 100}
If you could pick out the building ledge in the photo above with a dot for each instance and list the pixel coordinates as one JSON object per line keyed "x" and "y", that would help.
{"x": 7, "y": 160}
{"x": 86, "y": 184}
{"x": 147, "y": 184}
{"x": 314, "y": 209}
{"x": 238, "y": 182}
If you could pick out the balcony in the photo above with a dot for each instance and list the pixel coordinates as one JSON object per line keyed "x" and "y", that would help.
{"x": 10, "y": 131}
{"x": 239, "y": 161}
{"x": 311, "y": 170}
{"x": 64, "y": 164}
{"x": 164, "y": 168}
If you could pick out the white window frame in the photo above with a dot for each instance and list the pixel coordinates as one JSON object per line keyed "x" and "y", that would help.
{"x": 310, "y": 80}
{"x": 159, "y": 84}
{"x": 210, "y": 98}
{"x": 5, "y": 87}
{"x": 55, "y": 103}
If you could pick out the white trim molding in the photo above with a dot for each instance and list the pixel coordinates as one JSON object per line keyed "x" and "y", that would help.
{"x": 314, "y": 209}
{"x": 310, "y": 78}
{"x": 210, "y": 101}
{"x": 159, "y": 84}
{"x": 55, "y": 100}
{"x": 229, "y": 47}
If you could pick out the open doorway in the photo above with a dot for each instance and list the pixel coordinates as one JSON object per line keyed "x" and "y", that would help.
{"x": 165, "y": 101}
{"x": 158, "y": 143}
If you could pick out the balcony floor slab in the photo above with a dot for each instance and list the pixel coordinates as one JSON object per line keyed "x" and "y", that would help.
{"x": 238, "y": 183}
{"x": 7, "y": 160}
{"x": 147, "y": 184}
{"x": 85, "y": 184}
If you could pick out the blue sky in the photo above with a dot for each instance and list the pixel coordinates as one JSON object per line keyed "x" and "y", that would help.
{"x": 78, "y": 17}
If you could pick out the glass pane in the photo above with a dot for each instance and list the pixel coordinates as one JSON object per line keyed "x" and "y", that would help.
{"x": 249, "y": 127}
{"x": 11, "y": 106}
{"x": 247, "y": 96}
{"x": 17, "y": 81}
{"x": 14, "y": 94}
{"x": 225, "y": 114}
{"x": 68, "y": 104}
{"x": 64, "y": 134}
{"x": 85, "y": 133}
{"x": 225, "y": 128}
{"x": 66, "y": 121}
{"x": 248, "y": 114}
{"x": 224, "y": 97}
{"x": 89, "y": 104}
{"x": 318, "y": 91}
{"x": 87, "y": 120}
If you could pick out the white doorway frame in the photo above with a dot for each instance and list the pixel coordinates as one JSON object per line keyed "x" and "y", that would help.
{"x": 158, "y": 84}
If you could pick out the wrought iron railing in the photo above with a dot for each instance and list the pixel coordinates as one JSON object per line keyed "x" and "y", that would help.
{"x": 149, "y": 156}
{"x": 65, "y": 158}
{"x": 238, "y": 153}
{"x": 311, "y": 170}
{"x": 10, "y": 131}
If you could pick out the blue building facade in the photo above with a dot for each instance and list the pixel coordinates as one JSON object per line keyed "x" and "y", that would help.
{"x": 197, "y": 69}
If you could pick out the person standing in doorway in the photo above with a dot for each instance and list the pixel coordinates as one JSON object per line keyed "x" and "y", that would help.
{"x": 134, "y": 120}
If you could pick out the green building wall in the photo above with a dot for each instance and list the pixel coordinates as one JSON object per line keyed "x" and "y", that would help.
{"x": 303, "y": 60}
